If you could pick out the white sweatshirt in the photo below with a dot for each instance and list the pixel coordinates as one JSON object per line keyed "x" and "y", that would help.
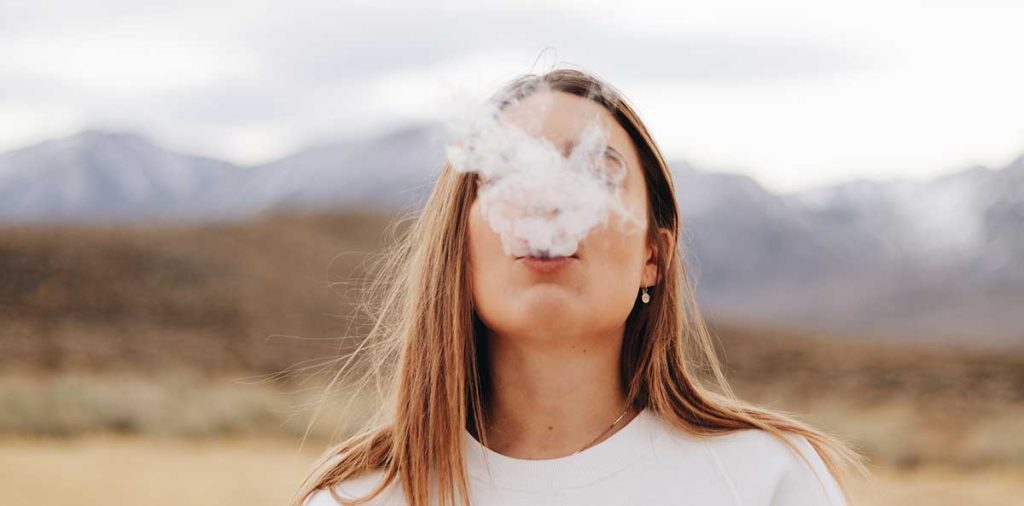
{"x": 647, "y": 462}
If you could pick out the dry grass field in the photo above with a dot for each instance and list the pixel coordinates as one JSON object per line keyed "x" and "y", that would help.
{"x": 264, "y": 471}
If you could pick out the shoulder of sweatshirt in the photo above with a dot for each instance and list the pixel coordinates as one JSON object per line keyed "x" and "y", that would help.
{"x": 354, "y": 488}
{"x": 757, "y": 465}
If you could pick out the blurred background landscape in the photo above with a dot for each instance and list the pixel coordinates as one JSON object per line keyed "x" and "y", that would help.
{"x": 120, "y": 333}
{"x": 185, "y": 223}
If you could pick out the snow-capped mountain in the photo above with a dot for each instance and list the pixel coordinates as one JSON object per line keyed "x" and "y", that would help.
{"x": 112, "y": 176}
{"x": 387, "y": 172}
{"x": 102, "y": 176}
{"x": 939, "y": 259}
{"x": 973, "y": 216}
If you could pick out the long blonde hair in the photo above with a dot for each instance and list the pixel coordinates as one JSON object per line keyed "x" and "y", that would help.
{"x": 425, "y": 350}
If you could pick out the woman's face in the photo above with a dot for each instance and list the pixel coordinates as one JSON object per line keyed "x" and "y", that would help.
{"x": 591, "y": 295}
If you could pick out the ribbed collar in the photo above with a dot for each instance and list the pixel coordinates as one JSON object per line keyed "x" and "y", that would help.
{"x": 617, "y": 452}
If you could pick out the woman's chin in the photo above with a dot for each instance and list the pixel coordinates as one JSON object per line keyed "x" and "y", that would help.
{"x": 549, "y": 300}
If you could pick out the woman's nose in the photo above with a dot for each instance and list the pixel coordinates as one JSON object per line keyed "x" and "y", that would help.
{"x": 544, "y": 210}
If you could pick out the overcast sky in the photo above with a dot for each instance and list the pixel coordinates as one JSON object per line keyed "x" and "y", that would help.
{"x": 793, "y": 93}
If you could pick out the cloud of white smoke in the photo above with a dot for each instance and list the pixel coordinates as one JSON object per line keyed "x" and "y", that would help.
{"x": 541, "y": 202}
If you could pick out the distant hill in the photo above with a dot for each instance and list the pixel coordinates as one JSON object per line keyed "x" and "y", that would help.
{"x": 938, "y": 260}
{"x": 102, "y": 176}
{"x": 935, "y": 261}
{"x": 254, "y": 296}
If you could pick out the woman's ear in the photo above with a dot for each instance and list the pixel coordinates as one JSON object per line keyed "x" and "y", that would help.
{"x": 664, "y": 246}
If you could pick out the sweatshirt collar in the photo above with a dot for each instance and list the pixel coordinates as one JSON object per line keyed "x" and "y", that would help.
{"x": 607, "y": 457}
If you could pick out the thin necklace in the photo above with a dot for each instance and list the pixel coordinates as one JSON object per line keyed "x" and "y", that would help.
{"x": 605, "y": 431}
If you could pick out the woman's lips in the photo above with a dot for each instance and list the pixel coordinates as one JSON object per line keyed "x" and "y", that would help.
{"x": 546, "y": 264}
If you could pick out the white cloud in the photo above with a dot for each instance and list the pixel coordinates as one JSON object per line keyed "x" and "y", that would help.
{"x": 794, "y": 93}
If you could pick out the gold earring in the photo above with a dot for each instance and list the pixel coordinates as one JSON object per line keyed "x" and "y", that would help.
{"x": 646, "y": 297}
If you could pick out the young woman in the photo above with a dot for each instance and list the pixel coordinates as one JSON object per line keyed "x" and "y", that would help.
{"x": 589, "y": 379}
